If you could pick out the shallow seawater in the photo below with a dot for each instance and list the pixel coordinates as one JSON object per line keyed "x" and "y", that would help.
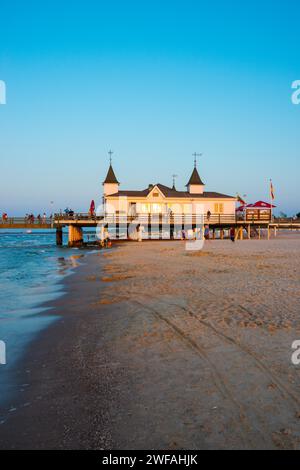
{"x": 31, "y": 270}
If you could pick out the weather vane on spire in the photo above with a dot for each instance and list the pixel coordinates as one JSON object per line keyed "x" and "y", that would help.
{"x": 110, "y": 152}
{"x": 195, "y": 155}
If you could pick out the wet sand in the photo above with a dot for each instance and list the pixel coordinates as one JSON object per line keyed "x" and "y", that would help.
{"x": 160, "y": 348}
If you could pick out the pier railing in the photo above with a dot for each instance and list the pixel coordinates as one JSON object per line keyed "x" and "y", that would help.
{"x": 286, "y": 220}
{"x": 80, "y": 216}
{"x": 118, "y": 217}
{"x": 88, "y": 219}
{"x": 15, "y": 222}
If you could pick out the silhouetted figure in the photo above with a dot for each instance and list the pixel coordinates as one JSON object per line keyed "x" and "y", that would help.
{"x": 232, "y": 234}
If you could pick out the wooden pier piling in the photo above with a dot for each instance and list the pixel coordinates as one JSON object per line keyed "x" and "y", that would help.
{"x": 75, "y": 236}
{"x": 249, "y": 231}
{"x": 59, "y": 236}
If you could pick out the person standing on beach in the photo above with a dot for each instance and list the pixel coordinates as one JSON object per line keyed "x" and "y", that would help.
{"x": 232, "y": 234}
{"x": 206, "y": 232}
{"x": 139, "y": 230}
{"x": 106, "y": 241}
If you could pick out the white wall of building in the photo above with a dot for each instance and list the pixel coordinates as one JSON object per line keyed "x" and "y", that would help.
{"x": 165, "y": 205}
{"x": 110, "y": 188}
{"x": 196, "y": 188}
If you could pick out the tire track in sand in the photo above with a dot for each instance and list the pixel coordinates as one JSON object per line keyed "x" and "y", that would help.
{"x": 216, "y": 375}
{"x": 285, "y": 391}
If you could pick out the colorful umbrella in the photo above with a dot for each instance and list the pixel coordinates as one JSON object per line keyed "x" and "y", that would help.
{"x": 92, "y": 206}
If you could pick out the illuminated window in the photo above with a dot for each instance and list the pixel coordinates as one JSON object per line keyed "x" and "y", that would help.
{"x": 145, "y": 208}
{"x": 156, "y": 208}
{"x": 219, "y": 208}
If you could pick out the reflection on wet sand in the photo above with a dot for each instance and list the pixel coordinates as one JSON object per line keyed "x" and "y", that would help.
{"x": 66, "y": 263}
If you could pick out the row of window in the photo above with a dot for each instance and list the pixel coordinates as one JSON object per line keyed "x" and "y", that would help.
{"x": 159, "y": 208}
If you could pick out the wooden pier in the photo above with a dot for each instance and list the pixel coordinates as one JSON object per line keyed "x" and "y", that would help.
{"x": 155, "y": 224}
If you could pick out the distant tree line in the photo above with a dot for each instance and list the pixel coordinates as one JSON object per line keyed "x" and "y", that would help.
{"x": 283, "y": 215}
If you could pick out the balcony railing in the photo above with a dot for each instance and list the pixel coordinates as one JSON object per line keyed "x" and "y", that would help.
{"x": 213, "y": 219}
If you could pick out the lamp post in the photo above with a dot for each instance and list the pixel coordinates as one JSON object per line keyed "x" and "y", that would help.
{"x": 51, "y": 207}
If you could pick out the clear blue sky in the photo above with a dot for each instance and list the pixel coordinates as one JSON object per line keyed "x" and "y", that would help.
{"x": 155, "y": 81}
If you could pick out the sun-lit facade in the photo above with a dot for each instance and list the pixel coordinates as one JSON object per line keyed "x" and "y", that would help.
{"x": 161, "y": 199}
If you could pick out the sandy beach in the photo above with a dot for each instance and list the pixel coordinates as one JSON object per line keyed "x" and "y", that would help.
{"x": 160, "y": 348}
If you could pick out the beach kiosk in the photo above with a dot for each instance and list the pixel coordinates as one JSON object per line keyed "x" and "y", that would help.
{"x": 260, "y": 211}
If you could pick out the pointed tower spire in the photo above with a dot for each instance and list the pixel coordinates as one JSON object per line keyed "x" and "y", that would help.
{"x": 110, "y": 177}
{"x": 110, "y": 184}
{"x": 195, "y": 185}
{"x": 195, "y": 178}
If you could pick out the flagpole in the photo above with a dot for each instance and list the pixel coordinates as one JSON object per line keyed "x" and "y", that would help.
{"x": 271, "y": 198}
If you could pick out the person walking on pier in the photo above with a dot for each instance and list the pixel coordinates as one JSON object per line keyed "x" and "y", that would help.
{"x": 232, "y": 234}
